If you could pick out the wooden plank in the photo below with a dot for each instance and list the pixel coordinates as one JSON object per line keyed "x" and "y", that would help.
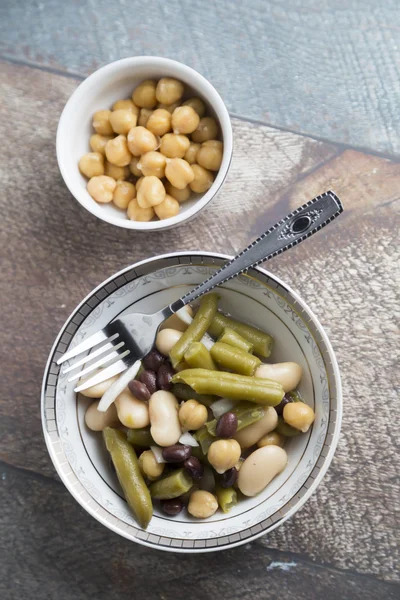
{"x": 51, "y": 549}
{"x": 328, "y": 69}
{"x": 56, "y": 252}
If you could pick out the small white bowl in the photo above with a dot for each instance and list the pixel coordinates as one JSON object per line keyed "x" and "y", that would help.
{"x": 80, "y": 457}
{"x": 99, "y": 91}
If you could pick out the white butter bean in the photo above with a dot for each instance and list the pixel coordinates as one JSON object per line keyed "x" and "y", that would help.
{"x": 165, "y": 426}
{"x": 96, "y": 391}
{"x": 132, "y": 413}
{"x": 288, "y": 374}
{"x": 260, "y": 468}
{"x": 250, "y": 435}
{"x": 96, "y": 420}
{"x": 166, "y": 340}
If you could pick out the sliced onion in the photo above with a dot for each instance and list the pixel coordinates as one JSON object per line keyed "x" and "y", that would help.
{"x": 222, "y": 406}
{"x": 188, "y": 440}
{"x": 207, "y": 341}
{"x": 157, "y": 451}
{"x": 207, "y": 482}
{"x": 118, "y": 386}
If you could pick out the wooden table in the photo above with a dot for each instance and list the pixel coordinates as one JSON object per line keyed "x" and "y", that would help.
{"x": 313, "y": 91}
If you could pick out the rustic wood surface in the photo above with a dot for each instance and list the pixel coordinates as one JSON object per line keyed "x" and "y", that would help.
{"x": 344, "y": 543}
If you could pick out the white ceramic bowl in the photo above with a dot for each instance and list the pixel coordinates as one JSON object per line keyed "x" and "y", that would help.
{"x": 99, "y": 91}
{"x": 258, "y": 298}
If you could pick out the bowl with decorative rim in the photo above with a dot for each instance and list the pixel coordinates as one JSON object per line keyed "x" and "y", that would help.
{"x": 258, "y": 298}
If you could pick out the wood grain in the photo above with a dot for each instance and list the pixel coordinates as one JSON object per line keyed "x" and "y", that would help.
{"x": 328, "y": 69}
{"x": 86, "y": 561}
{"x": 55, "y": 252}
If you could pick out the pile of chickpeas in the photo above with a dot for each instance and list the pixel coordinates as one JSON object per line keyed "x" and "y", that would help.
{"x": 151, "y": 152}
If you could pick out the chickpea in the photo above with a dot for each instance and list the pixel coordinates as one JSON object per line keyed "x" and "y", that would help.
{"x": 139, "y": 183}
{"x": 117, "y": 152}
{"x": 202, "y": 504}
{"x": 224, "y": 454}
{"x": 180, "y": 195}
{"x": 140, "y": 141}
{"x": 169, "y": 90}
{"x": 202, "y": 181}
{"x": 152, "y": 163}
{"x": 123, "y": 194}
{"x": 115, "y": 172}
{"x": 166, "y": 340}
{"x": 197, "y": 104}
{"x": 133, "y": 166}
{"x": 98, "y": 142}
{"x": 126, "y": 105}
{"x": 191, "y": 153}
{"x": 144, "y": 116}
{"x": 159, "y": 121}
{"x": 184, "y": 119}
{"x": 145, "y": 94}
{"x": 169, "y": 107}
{"x": 92, "y": 164}
{"x": 101, "y": 122}
{"x": 149, "y": 466}
{"x": 192, "y": 415}
{"x": 299, "y": 415}
{"x": 137, "y": 213}
{"x": 101, "y": 188}
{"x": 167, "y": 209}
{"x": 122, "y": 120}
{"x": 271, "y": 439}
{"x": 207, "y": 129}
{"x": 96, "y": 420}
{"x": 179, "y": 172}
{"x": 151, "y": 192}
{"x": 210, "y": 155}
{"x": 174, "y": 145}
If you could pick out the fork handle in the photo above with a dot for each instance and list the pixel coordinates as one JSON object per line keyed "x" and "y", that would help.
{"x": 290, "y": 231}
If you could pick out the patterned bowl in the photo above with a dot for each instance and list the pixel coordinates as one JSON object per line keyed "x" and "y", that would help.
{"x": 258, "y": 298}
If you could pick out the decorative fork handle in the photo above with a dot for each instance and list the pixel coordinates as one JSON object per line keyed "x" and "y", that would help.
{"x": 290, "y": 231}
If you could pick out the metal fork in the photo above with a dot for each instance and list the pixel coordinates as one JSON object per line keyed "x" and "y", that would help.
{"x": 127, "y": 339}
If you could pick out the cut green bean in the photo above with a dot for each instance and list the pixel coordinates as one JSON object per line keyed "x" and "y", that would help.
{"x": 129, "y": 475}
{"x": 197, "y": 452}
{"x": 261, "y": 341}
{"x": 185, "y": 392}
{"x": 172, "y": 486}
{"x": 233, "y": 338}
{"x": 227, "y": 498}
{"x": 198, "y": 357}
{"x": 234, "y": 359}
{"x": 285, "y": 429}
{"x": 247, "y": 413}
{"x": 295, "y": 396}
{"x": 231, "y": 385}
{"x": 140, "y": 437}
{"x": 204, "y": 438}
{"x": 196, "y": 329}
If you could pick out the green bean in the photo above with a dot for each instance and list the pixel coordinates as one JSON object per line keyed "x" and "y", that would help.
{"x": 129, "y": 475}
{"x": 285, "y": 429}
{"x": 247, "y": 413}
{"x": 204, "y": 438}
{"x": 185, "y": 392}
{"x": 234, "y": 359}
{"x": 198, "y": 357}
{"x": 295, "y": 396}
{"x": 172, "y": 486}
{"x": 197, "y": 452}
{"x": 261, "y": 341}
{"x": 196, "y": 329}
{"x": 140, "y": 437}
{"x": 230, "y": 385}
{"x": 233, "y": 338}
{"x": 227, "y": 498}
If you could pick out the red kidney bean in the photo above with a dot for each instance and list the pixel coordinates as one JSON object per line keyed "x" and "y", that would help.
{"x": 171, "y": 507}
{"x": 228, "y": 479}
{"x": 176, "y": 454}
{"x": 139, "y": 390}
{"x": 149, "y": 379}
{"x": 153, "y": 360}
{"x": 194, "y": 467}
{"x": 285, "y": 400}
{"x": 226, "y": 425}
{"x": 164, "y": 376}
